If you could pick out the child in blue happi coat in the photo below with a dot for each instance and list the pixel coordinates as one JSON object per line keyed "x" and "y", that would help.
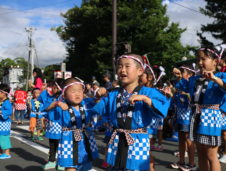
{"x": 51, "y": 98}
{"x": 223, "y": 110}
{"x": 130, "y": 110}
{"x": 36, "y": 115}
{"x": 207, "y": 91}
{"x": 5, "y": 122}
{"x": 181, "y": 101}
{"x": 77, "y": 147}
{"x": 149, "y": 79}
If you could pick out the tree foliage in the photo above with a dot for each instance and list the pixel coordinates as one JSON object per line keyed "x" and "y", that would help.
{"x": 143, "y": 24}
{"x": 49, "y": 71}
{"x": 215, "y": 9}
{"x": 7, "y": 63}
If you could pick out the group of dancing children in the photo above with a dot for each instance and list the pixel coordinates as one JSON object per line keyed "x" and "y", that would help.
{"x": 135, "y": 111}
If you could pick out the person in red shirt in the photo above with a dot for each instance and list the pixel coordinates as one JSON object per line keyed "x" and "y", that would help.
{"x": 20, "y": 105}
{"x": 38, "y": 80}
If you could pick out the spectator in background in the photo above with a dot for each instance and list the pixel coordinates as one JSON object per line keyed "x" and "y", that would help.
{"x": 20, "y": 105}
{"x": 38, "y": 79}
{"x": 88, "y": 90}
{"x": 115, "y": 84}
{"x": 95, "y": 87}
{"x": 107, "y": 80}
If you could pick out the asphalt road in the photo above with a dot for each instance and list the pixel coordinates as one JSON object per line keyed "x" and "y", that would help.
{"x": 29, "y": 156}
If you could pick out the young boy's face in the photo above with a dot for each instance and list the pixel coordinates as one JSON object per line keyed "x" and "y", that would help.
{"x": 2, "y": 95}
{"x": 74, "y": 94}
{"x": 128, "y": 71}
{"x": 36, "y": 93}
{"x": 54, "y": 89}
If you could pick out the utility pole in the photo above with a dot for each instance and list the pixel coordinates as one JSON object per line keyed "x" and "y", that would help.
{"x": 114, "y": 35}
{"x": 30, "y": 56}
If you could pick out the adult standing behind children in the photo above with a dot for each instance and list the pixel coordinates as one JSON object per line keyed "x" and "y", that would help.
{"x": 38, "y": 79}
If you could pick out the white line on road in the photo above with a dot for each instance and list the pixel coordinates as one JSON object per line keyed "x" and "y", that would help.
{"x": 18, "y": 136}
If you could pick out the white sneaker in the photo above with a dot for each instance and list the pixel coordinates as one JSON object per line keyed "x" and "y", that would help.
{"x": 223, "y": 159}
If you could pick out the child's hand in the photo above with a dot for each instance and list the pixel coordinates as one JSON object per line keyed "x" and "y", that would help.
{"x": 209, "y": 75}
{"x": 143, "y": 98}
{"x": 101, "y": 92}
{"x": 62, "y": 105}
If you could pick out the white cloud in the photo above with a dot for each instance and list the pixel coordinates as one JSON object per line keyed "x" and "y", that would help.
{"x": 189, "y": 19}
{"x": 14, "y": 39}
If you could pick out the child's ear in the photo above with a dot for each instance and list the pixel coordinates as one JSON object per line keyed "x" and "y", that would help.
{"x": 140, "y": 71}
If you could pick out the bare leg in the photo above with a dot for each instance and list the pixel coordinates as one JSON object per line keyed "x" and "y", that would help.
{"x": 212, "y": 158}
{"x": 182, "y": 146}
{"x": 191, "y": 150}
{"x": 202, "y": 157}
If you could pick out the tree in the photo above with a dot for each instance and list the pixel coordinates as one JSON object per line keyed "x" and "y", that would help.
{"x": 143, "y": 24}
{"x": 215, "y": 9}
{"x": 49, "y": 71}
{"x": 7, "y": 63}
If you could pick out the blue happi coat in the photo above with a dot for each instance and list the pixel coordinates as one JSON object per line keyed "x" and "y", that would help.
{"x": 5, "y": 121}
{"x": 65, "y": 148}
{"x": 223, "y": 110}
{"x": 181, "y": 103}
{"x": 37, "y": 109}
{"x": 211, "y": 119}
{"x": 138, "y": 153}
{"x": 53, "y": 127}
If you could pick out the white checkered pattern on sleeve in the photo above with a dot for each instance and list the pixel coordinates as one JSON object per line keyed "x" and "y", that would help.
{"x": 183, "y": 113}
{"x": 139, "y": 150}
{"x": 65, "y": 150}
{"x": 5, "y": 126}
{"x": 211, "y": 118}
{"x": 93, "y": 145}
{"x": 114, "y": 146}
{"x": 55, "y": 128}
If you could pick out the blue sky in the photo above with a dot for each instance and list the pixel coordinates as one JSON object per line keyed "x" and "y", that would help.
{"x": 30, "y": 4}
{"x": 16, "y": 15}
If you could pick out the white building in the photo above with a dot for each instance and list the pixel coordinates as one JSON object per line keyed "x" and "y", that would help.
{"x": 12, "y": 78}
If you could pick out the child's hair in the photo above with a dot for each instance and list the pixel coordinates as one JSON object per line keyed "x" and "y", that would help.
{"x": 4, "y": 88}
{"x": 59, "y": 82}
{"x": 189, "y": 68}
{"x": 137, "y": 58}
{"x": 38, "y": 71}
{"x": 34, "y": 90}
{"x": 70, "y": 81}
{"x": 209, "y": 51}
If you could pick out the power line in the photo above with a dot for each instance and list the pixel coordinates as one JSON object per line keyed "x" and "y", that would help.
{"x": 191, "y": 9}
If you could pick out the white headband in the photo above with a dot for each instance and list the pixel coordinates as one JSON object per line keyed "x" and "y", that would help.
{"x": 80, "y": 83}
{"x": 211, "y": 51}
{"x": 150, "y": 68}
{"x": 58, "y": 86}
{"x": 134, "y": 58}
{"x": 4, "y": 92}
{"x": 183, "y": 67}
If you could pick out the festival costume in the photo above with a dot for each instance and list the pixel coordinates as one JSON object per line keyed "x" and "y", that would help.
{"x": 223, "y": 110}
{"x": 5, "y": 124}
{"x": 182, "y": 106}
{"x": 206, "y": 122}
{"x": 129, "y": 145}
{"x": 36, "y": 115}
{"x": 77, "y": 145}
{"x": 53, "y": 127}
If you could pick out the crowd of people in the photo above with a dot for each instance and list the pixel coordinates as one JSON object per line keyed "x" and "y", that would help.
{"x": 136, "y": 111}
